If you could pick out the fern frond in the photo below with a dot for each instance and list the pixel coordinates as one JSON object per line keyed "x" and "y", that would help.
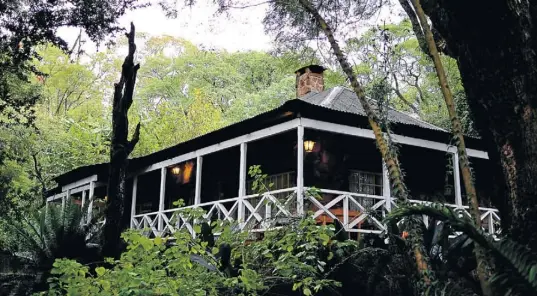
{"x": 449, "y": 288}
{"x": 519, "y": 258}
{"x": 52, "y": 223}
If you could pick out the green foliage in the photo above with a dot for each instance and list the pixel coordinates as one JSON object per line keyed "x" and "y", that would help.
{"x": 49, "y": 233}
{"x": 17, "y": 184}
{"x": 182, "y": 92}
{"x": 520, "y": 271}
{"x": 296, "y": 257}
{"x": 259, "y": 184}
{"x": 41, "y": 236}
{"x": 391, "y": 53}
{"x": 22, "y": 28}
{"x": 148, "y": 267}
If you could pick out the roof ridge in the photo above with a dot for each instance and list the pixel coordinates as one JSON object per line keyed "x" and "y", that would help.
{"x": 334, "y": 93}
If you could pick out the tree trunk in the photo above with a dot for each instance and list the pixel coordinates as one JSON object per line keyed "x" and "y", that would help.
{"x": 120, "y": 149}
{"x": 388, "y": 155}
{"x": 457, "y": 131}
{"x": 494, "y": 43}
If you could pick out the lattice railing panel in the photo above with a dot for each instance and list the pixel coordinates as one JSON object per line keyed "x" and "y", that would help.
{"x": 357, "y": 212}
{"x": 269, "y": 209}
{"x": 350, "y": 209}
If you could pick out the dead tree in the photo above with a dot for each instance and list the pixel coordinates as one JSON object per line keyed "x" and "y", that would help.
{"x": 120, "y": 148}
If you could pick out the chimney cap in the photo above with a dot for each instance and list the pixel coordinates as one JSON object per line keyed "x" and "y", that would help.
{"x": 313, "y": 68}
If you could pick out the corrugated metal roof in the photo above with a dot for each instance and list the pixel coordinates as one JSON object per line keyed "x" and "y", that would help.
{"x": 343, "y": 99}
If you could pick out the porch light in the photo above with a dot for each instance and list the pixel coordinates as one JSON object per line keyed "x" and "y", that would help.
{"x": 308, "y": 145}
{"x": 176, "y": 170}
{"x": 188, "y": 172}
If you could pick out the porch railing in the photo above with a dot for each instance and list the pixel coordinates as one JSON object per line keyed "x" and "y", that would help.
{"x": 360, "y": 213}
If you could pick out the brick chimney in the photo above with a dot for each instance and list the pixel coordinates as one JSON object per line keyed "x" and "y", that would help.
{"x": 309, "y": 78}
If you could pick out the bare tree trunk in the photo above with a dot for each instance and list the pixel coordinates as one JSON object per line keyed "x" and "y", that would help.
{"x": 388, "y": 155}
{"x": 120, "y": 149}
{"x": 497, "y": 58}
{"x": 461, "y": 146}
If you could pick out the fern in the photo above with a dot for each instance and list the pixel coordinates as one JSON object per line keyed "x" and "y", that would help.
{"x": 51, "y": 233}
{"x": 518, "y": 258}
{"x": 448, "y": 288}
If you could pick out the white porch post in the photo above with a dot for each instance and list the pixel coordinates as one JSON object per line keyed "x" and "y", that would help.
{"x": 386, "y": 188}
{"x": 133, "y": 204}
{"x": 161, "y": 197}
{"x": 83, "y": 199}
{"x": 300, "y": 170}
{"x": 46, "y": 205}
{"x": 66, "y": 198}
{"x": 83, "y": 221}
{"x": 90, "y": 197}
{"x": 242, "y": 182}
{"x": 457, "y": 179}
{"x": 491, "y": 224}
{"x": 197, "y": 196}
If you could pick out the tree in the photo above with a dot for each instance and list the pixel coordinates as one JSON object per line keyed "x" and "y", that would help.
{"x": 390, "y": 52}
{"x": 457, "y": 131}
{"x": 70, "y": 128}
{"x": 180, "y": 81}
{"x": 305, "y": 17}
{"x": 26, "y": 24}
{"x": 497, "y": 61}
{"x": 66, "y": 84}
{"x": 120, "y": 148}
{"x": 17, "y": 186}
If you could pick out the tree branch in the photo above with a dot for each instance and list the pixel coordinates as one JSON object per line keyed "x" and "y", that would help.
{"x": 135, "y": 138}
{"x": 38, "y": 174}
{"x": 401, "y": 97}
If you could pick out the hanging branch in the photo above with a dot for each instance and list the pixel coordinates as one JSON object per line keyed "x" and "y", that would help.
{"x": 39, "y": 175}
{"x": 397, "y": 92}
{"x": 459, "y": 139}
{"x": 120, "y": 148}
{"x": 388, "y": 155}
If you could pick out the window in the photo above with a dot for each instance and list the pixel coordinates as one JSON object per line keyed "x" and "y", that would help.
{"x": 365, "y": 183}
{"x": 278, "y": 181}
{"x": 143, "y": 208}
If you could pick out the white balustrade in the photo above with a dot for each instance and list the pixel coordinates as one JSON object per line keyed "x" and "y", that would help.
{"x": 275, "y": 208}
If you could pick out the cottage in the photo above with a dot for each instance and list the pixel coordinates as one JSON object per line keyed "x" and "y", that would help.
{"x": 319, "y": 155}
